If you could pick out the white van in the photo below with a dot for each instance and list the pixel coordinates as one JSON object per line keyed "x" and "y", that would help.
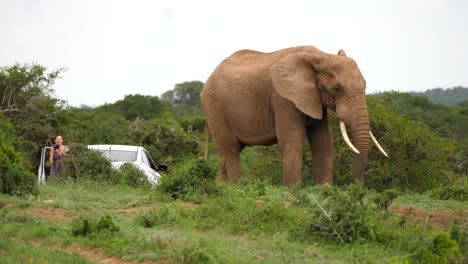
{"x": 118, "y": 155}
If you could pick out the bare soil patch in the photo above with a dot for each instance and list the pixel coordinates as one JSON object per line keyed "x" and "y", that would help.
{"x": 441, "y": 217}
{"x": 50, "y": 213}
{"x": 97, "y": 255}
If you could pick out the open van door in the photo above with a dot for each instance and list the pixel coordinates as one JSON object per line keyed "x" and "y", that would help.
{"x": 43, "y": 171}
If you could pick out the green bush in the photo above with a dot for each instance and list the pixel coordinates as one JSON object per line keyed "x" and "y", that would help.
{"x": 262, "y": 163}
{"x": 83, "y": 163}
{"x": 455, "y": 189}
{"x": 460, "y": 235}
{"x": 14, "y": 177}
{"x": 418, "y": 158}
{"x": 164, "y": 139}
{"x": 87, "y": 225}
{"x": 343, "y": 216}
{"x": 106, "y": 224}
{"x": 132, "y": 176}
{"x": 442, "y": 250}
{"x": 195, "y": 176}
{"x": 82, "y": 226}
{"x": 193, "y": 124}
{"x": 161, "y": 217}
{"x": 386, "y": 198}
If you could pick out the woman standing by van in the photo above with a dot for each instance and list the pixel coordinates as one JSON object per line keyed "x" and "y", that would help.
{"x": 56, "y": 159}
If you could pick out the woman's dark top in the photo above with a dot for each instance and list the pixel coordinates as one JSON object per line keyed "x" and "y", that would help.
{"x": 58, "y": 165}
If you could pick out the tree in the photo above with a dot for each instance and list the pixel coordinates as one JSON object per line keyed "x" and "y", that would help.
{"x": 21, "y": 83}
{"x": 133, "y": 106}
{"x": 186, "y": 94}
{"x": 26, "y": 97}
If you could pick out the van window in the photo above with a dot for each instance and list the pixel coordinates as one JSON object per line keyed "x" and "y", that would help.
{"x": 120, "y": 155}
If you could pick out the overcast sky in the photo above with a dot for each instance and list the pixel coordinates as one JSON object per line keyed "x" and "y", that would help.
{"x": 115, "y": 48}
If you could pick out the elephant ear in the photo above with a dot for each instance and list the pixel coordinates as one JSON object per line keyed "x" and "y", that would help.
{"x": 295, "y": 78}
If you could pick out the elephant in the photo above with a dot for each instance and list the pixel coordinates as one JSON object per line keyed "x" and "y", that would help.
{"x": 282, "y": 97}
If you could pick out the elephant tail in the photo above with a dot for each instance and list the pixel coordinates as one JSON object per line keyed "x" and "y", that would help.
{"x": 207, "y": 137}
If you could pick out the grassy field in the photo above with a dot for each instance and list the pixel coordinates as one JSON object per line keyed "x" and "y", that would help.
{"x": 88, "y": 222}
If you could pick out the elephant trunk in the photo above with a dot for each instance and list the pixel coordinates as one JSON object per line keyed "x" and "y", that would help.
{"x": 360, "y": 137}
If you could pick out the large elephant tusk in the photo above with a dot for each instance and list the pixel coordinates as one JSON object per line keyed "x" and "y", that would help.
{"x": 346, "y": 139}
{"x": 377, "y": 144}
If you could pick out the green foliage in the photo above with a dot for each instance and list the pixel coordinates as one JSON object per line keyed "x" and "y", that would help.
{"x": 13, "y": 251}
{"x": 86, "y": 225}
{"x": 456, "y": 189}
{"x": 82, "y": 226}
{"x": 161, "y": 218}
{"x": 136, "y": 106}
{"x": 234, "y": 225}
{"x": 262, "y": 163}
{"x": 88, "y": 126}
{"x": 386, "y": 198}
{"x": 83, "y": 163}
{"x": 106, "y": 224}
{"x": 418, "y": 159}
{"x": 26, "y": 98}
{"x": 442, "y": 250}
{"x": 184, "y": 95}
{"x": 164, "y": 139}
{"x": 132, "y": 176}
{"x": 196, "y": 123}
{"x": 449, "y": 122}
{"x": 450, "y": 97}
{"x": 238, "y": 210}
{"x": 21, "y": 83}
{"x": 460, "y": 235}
{"x": 194, "y": 176}
{"x": 15, "y": 178}
{"x": 343, "y": 216}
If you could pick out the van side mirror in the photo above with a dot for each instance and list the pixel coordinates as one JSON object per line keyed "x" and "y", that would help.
{"x": 162, "y": 167}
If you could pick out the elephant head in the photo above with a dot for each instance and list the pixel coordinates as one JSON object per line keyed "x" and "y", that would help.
{"x": 314, "y": 80}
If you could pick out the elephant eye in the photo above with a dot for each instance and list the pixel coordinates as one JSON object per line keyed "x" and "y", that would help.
{"x": 338, "y": 89}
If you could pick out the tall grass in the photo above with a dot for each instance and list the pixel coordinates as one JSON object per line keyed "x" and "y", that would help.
{"x": 252, "y": 221}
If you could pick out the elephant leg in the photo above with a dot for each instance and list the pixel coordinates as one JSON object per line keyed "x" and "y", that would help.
{"x": 291, "y": 135}
{"x": 223, "y": 171}
{"x": 228, "y": 147}
{"x": 321, "y": 143}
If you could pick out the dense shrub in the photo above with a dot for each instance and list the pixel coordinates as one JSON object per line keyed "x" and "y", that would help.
{"x": 83, "y": 163}
{"x": 90, "y": 126}
{"x": 343, "y": 216}
{"x": 14, "y": 177}
{"x": 106, "y": 224}
{"x": 86, "y": 225}
{"x": 442, "y": 250}
{"x": 195, "y": 176}
{"x": 418, "y": 158}
{"x": 193, "y": 124}
{"x": 459, "y": 233}
{"x": 164, "y": 139}
{"x": 456, "y": 190}
{"x": 132, "y": 176}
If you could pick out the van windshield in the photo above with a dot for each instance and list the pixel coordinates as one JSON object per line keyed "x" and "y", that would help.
{"x": 120, "y": 155}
